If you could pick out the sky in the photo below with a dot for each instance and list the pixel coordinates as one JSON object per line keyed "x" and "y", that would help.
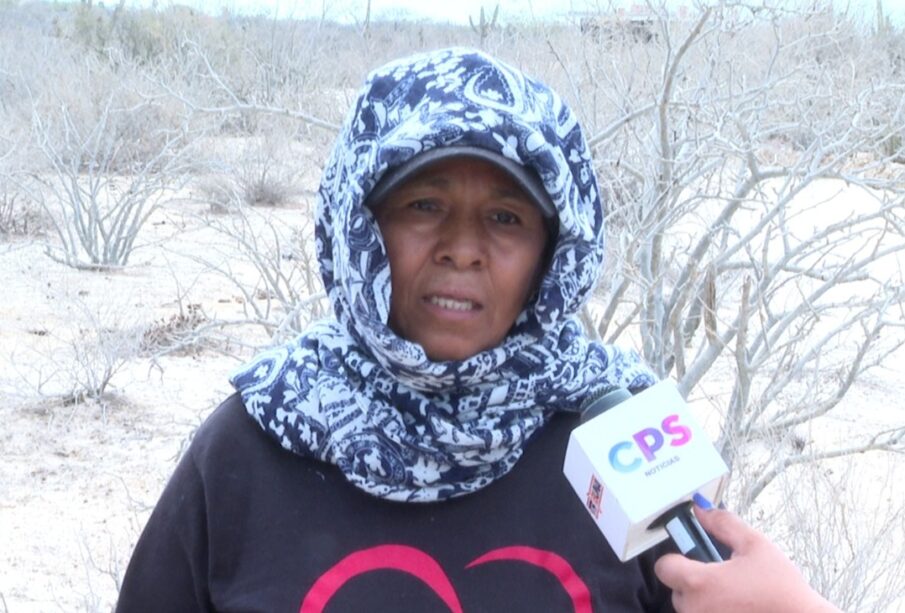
{"x": 458, "y": 11}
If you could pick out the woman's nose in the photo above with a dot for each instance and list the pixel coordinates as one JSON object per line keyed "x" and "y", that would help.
{"x": 461, "y": 243}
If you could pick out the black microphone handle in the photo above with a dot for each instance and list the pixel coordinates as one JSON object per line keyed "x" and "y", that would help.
{"x": 688, "y": 534}
{"x": 680, "y": 523}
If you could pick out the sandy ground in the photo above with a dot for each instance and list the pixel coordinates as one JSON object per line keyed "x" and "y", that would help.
{"x": 77, "y": 482}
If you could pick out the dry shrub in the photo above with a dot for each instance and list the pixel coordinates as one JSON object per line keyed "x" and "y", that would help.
{"x": 19, "y": 216}
{"x": 262, "y": 188}
{"x": 853, "y": 557}
{"x": 100, "y": 192}
{"x": 75, "y": 366}
{"x": 220, "y": 193}
{"x": 271, "y": 264}
{"x": 254, "y": 186}
{"x": 178, "y": 333}
{"x": 259, "y": 177}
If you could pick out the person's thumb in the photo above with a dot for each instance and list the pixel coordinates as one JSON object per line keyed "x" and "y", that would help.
{"x": 726, "y": 527}
{"x": 675, "y": 570}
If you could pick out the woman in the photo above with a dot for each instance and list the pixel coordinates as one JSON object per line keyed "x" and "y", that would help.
{"x": 406, "y": 455}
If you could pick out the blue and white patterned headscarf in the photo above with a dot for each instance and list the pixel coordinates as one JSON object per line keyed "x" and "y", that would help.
{"x": 351, "y": 392}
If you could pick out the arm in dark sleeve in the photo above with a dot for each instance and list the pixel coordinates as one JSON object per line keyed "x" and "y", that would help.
{"x": 169, "y": 567}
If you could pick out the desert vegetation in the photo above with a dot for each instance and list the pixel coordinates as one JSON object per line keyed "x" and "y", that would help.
{"x": 157, "y": 176}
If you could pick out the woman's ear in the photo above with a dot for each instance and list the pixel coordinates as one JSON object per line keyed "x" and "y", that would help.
{"x": 550, "y": 246}
{"x": 543, "y": 265}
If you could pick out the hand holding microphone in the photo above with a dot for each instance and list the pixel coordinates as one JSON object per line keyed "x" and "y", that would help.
{"x": 636, "y": 462}
{"x": 758, "y": 577}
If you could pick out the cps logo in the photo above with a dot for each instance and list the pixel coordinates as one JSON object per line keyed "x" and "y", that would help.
{"x": 624, "y": 456}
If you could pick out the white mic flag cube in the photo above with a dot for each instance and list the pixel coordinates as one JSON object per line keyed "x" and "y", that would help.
{"x": 634, "y": 462}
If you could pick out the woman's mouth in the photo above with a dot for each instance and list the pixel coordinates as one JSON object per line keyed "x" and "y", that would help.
{"x": 453, "y": 304}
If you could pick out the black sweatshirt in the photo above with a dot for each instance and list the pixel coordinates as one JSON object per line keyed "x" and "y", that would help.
{"x": 245, "y": 526}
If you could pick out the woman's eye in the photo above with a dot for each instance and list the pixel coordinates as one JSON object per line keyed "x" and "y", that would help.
{"x": 423, "y": 205}
{"x": 506, "y": 218}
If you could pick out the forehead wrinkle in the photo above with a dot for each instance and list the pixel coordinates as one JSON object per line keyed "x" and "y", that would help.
{"x": 513, "y": 192}
{"x": 440, "y": 181}
{"x": 426, "y": 180}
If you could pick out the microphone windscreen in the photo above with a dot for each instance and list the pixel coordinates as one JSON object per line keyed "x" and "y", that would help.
{"x": 605, "y": 401}
{"x": 632, "y": 464}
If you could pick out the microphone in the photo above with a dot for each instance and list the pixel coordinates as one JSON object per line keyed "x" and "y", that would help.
{"x": 637, "y": 467}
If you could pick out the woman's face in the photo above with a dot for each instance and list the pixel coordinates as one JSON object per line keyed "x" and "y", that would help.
{"x": 465, "y": 246}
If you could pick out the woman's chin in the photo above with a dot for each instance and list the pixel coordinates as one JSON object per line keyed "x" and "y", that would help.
{"x": 452, "y": 351}
{"x": 445, "y": 355}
